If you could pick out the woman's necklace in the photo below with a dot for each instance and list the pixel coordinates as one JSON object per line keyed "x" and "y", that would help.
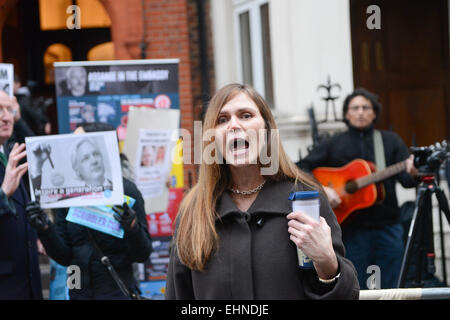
{"x": 248, "y": 192}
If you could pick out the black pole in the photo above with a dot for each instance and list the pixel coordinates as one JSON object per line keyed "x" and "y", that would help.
{"x": 418, "y": 206}
{"x": 443, "y": 257}
{"x": 204, "y": 61}
{"x": 443, "y": 209}
{"x": 143, "y": 44}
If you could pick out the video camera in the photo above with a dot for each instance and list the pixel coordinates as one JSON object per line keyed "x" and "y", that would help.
{"x": 429, "y": 159}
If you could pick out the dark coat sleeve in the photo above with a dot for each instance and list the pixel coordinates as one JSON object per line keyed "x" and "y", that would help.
{"x": 179, "y": 278}
{"x": 138, "y": 239}
{"x": 55, "y": 239}
{"x": 346, "y": 286}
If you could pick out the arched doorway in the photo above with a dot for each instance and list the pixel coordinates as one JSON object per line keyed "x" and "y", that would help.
{"x": 104, "y": 51}
{"x": 54, "y": 53}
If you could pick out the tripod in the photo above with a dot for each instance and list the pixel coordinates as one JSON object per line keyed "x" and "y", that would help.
{"x": 421, "y": 231}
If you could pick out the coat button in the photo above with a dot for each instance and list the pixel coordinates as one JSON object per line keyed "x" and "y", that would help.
{"x": 260, "y": 222}
{"x": 247, "y": 216}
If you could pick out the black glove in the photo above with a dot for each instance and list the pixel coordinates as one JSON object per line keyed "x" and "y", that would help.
{"x": 36, "y": 216}
{"x": 126, "y": 216}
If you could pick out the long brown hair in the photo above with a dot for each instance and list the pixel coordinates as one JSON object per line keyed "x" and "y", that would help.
{"x": 196, "y": 237}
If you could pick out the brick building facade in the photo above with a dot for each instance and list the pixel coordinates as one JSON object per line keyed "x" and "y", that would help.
{"x": 169, "y": 29}
{"x": 149, "y": 29}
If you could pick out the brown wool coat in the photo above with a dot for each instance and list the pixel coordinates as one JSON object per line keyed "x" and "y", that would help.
{"x": 257, "y": 260}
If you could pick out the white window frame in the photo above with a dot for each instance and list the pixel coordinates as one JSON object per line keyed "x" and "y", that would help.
{"x": 253, "y": 8}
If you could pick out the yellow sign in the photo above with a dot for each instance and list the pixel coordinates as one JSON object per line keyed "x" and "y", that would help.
{"x": 176, "y": 174}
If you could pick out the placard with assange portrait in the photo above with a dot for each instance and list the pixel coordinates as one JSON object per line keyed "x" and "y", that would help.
{"x": 69, "y": 170}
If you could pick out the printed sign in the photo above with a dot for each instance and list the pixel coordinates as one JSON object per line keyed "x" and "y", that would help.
{"x": 7, "y": 78}
{"x": 104, "y": 91}
{"x": 71, "y": 170}
{"x": 100, "y": 218}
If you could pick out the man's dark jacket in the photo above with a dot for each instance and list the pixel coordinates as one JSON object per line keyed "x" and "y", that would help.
{"x": 69, "y": 244}
{"x": 352, "y": 144}
{"x": 20, "y": 277}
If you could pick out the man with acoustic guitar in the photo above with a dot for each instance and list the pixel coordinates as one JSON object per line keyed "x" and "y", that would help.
{"x": 358, "y": 169}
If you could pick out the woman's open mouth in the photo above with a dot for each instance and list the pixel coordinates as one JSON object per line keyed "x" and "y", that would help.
{"x": 238, "y": 146}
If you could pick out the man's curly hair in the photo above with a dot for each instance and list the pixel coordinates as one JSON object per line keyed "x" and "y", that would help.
{"x": 373, "y": 98}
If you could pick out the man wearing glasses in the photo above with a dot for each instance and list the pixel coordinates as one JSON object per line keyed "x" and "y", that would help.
{"x": 19, "y": 266}
{"x": 372, "y": 236}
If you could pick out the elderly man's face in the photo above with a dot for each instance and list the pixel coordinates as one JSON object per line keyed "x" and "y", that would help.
{"x": 6, "y": 117}
{"x": 90, "y": 164}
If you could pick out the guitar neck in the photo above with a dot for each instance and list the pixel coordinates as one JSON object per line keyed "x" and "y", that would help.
{"x": 382, "y": 175}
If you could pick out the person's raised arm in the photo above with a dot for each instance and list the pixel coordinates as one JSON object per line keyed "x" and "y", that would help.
{"x": 14, "y": 171}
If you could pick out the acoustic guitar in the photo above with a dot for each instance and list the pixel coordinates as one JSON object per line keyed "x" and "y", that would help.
{"x": 357, "y": 184}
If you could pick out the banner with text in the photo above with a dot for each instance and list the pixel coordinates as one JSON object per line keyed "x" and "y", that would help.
{"x": 103, "y": 91}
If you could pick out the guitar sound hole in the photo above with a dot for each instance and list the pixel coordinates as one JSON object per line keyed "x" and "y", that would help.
{"x": 351, "y": 187}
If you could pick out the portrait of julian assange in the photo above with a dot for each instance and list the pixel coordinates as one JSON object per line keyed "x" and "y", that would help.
{"x": 88, "y": 163}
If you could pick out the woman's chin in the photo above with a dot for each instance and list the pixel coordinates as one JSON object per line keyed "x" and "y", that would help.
{"x": 241, "y": 161}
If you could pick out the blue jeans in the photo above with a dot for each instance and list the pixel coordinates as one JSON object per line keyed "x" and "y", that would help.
{"x": 382, "y": 247}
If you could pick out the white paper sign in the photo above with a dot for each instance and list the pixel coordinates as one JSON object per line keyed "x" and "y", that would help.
{"x": 150, "y": 119}
{"x": 69, "y": 170}
{"x": 7, "y": 78}
{"x": 152, "y": 163}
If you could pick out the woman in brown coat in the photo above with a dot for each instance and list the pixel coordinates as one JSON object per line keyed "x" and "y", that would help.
{"x": 236, "y": 234}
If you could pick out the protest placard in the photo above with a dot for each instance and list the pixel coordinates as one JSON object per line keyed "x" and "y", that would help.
{"x": 152, "y": 127}
{"x": 7, "y": 78}
{"x": 75, "y": 170}
{"x": 104, "y": 91}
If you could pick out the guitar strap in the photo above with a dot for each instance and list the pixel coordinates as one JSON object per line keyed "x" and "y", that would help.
{"x": 380, "y": 160}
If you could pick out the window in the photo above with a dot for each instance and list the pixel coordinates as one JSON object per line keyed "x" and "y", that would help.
{"x": 246, "y": 48}
{"x": 53, "y": 14}
{"x": 253, "y": 45}
{"x": 104, "y": 51}
{"x": 54, "y": 53}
